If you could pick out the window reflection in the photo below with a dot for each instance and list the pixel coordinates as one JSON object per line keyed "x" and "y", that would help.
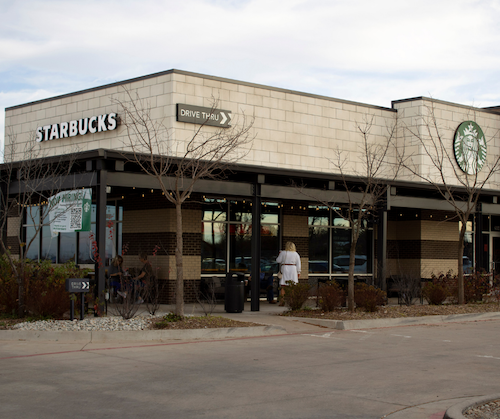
{"x": 227, "y": 240}
{"x": 330, "y": 242}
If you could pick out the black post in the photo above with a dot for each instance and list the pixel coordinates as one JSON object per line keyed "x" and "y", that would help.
{"x": 479, "y": 242}
{"x": 101, "y": 231}
{"x": 72, "y": 307}
{"x": 382, "y": 248}
{"x": 256, "y": 213}
{"x": 82, "y": 309}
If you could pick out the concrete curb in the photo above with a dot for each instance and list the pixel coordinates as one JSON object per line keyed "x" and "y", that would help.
{"x": 403, "y": 321}
{"x": 141, "y": 335}
{"x": 456, "y": 412}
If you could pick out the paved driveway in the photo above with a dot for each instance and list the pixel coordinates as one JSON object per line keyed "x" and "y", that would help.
{"x": 395, "y": 372}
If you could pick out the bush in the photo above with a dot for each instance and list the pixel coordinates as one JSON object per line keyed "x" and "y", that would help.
{"x": 368, "y": 297}
{"x": 296, "y": 295}
{"x": 330, "y": 296}
{"x": 476, "y": 286}
{"x": 440, "y": 288}
{"x": 8, "y": 288}
{"x": 44, "y": 287}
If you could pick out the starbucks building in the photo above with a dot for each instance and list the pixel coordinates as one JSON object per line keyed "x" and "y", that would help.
{"x": 298, "y": 174}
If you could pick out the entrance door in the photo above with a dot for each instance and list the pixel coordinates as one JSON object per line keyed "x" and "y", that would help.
{"x": 495, "y": 253}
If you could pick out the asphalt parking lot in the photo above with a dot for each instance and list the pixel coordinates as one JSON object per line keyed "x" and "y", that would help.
{"x": 315, "y": 372}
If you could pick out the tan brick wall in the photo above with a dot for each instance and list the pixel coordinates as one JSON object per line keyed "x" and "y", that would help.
{"x": 445, "y": 230}
{"x": 13, "y": 226}
{"x": 399, "y": 267}
{"x": 192, "y": 267}
{"x": 437, "y": 266}
{"x": 160, "y": 220}
{"x": 403, "y": 230}
{"x": 295, "y": 226}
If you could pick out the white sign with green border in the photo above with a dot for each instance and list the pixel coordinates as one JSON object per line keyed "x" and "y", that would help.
{"x": 70, "y": 211}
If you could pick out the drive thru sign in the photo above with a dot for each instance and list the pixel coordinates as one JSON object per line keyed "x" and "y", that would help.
{"x": 203, "y": 116}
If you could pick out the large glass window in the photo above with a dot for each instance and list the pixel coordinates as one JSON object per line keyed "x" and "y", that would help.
{"x": 227, "y": 236}
{"x": 330, "y": 243}
{"x": 73, "y": 246}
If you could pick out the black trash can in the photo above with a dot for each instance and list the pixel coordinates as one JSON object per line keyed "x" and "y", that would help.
{"x": 235, "y": 292}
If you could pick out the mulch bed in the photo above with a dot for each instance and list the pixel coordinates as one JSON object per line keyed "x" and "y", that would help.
{"x": 392, "y": 312}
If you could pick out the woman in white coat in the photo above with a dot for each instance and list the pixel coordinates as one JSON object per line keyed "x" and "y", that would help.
{"x": 290, "y": 268}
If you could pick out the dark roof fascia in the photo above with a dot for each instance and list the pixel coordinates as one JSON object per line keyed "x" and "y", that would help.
{"x": 219, "y": 79}
{"x": 79, "y": 156}
{"x": 494, "y": 109}
{"x": 253, "y": 169}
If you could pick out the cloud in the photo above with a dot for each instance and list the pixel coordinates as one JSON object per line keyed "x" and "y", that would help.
{"x": 360, "y": 50}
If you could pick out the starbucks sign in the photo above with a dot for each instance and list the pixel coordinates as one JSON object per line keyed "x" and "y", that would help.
{"x": 470, "y": 147}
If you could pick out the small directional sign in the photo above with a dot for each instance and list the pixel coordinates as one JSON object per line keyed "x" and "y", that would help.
{"x": 77, "y": 285}
{"x": 203, "y": 116}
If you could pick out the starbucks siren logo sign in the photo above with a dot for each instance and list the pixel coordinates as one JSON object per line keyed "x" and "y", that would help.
{"x": 470, "y": 147}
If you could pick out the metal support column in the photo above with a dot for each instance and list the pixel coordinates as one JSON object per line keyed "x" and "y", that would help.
{"x": 101, "y": 231}
{"x": 256, "y": 227}
{"x": 479, "y": 261}
{"x": 382, "y": 250}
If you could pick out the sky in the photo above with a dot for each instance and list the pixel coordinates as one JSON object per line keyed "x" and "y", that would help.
{"x": 368, "y": 51}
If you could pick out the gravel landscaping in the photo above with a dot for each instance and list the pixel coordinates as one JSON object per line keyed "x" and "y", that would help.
{"x": 115, "y": 323}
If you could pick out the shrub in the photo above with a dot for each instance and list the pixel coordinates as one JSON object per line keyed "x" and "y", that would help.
{"x": 9, "y": 288}
{"x": 476, "y": 286}
{"x": 440, "y": 288}
{"x": 296, "y": 295}
{"x": 330, "y": 296}
{"x": 368, "y": 297}
{"x": 408, "y": 287}
{"x": 44, "y": 287}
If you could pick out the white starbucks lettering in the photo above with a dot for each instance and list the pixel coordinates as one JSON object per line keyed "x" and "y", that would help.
{"x": 100, "y": 123}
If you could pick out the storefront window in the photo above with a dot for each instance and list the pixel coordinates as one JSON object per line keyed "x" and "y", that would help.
{"x": 227, "y": 240}
{"x": 330, "y": 243}
{"x": 72, "y": 246}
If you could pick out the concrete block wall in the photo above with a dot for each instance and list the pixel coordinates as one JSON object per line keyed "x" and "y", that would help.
{"x": 151, "y": 222}
{"x": 296, "y": 230}
{"x": 290, "y": 129}
{"x": 429, "y": 119}
{"x": 421, "y": 243}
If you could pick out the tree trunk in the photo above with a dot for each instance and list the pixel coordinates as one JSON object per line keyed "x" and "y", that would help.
{"x": 461, "y": 294}
{"x": 350, "y": 280}
{"x": 179, "y": 283}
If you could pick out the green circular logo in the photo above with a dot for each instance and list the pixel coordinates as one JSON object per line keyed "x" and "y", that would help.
{"x": 470, "y": 147}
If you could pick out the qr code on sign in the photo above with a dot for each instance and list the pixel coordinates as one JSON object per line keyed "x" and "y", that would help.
{"x": 75, "y": 222}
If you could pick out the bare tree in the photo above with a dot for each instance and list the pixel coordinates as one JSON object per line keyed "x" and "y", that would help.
{"x": 461, "y": 188}
{"x": 370, "y": 188}
{"x": 24, "y": 186}
{"x": 177, "y": 164}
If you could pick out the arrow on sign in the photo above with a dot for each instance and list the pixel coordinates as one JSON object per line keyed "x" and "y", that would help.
{"x": 85, "y": 285}
{"x": 225, "y": 118}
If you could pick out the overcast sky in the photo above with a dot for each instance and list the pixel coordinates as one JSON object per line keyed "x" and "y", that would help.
{"x": 369, "y": 51}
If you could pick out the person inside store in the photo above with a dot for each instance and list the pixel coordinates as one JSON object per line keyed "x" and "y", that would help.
{"x": 115, "y": 274}
{"x": 144, "y": 276}
{"x": 290, "y": 268}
